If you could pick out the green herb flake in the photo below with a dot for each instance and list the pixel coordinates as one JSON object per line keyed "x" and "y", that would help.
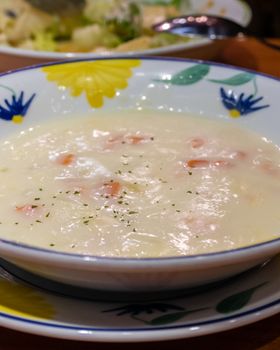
{"x": 48, "y": 214}
{"x": 131, "y": 212}
{"x": 38, "y": 221}
{"x": 37, "y": 199}
{"x": 77, "y": 192}
{"x": 52, "y": 244}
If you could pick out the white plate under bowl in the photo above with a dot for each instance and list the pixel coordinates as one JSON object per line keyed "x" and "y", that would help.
{"x": 248, "y": 298}
{"x": 237, "y": 10}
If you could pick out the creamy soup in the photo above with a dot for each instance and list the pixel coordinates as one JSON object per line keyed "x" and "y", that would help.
{"x": 139, "y": 184}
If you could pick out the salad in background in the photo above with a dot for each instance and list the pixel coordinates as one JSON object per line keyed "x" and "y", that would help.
{"x": 102, "y": 26}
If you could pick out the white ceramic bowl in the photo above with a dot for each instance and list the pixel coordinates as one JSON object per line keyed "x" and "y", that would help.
{"x": 237, "y": 10}
{"x": 189, "y": 86}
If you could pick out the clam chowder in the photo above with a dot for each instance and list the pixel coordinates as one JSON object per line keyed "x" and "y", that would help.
{"x": 139, "y": 184}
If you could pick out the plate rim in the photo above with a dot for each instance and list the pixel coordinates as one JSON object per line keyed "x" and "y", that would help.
{"x": 143, "y": 334}
{"x": 267, "y": 305}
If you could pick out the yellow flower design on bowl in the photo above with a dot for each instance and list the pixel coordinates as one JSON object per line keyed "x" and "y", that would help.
{"x": 19, "y": 300}
{"x": 97, "y": 79}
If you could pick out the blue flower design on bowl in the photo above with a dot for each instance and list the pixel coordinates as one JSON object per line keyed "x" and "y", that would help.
{"x": 240, "y": 105}
{"x": 15, "y": 109}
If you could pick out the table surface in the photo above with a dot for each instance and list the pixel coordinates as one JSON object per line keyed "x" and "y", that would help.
{"x": 263, "y": 335}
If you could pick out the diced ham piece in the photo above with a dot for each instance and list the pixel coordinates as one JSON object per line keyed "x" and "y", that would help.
{"x": 66, "y": 159}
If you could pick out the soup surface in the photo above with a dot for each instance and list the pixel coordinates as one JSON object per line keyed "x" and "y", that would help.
{"x": 139, "y": 184}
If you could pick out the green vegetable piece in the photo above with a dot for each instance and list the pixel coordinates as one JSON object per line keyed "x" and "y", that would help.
{"x": 238, "y": 79}
{"x": 111, "y": 40}
{"x": 176, "y": 3}
{"x": 44, "y": 41}
{"x": 237, "y": 301}
{"x": 128, "y": 28}
{"x": 165, "y": 39}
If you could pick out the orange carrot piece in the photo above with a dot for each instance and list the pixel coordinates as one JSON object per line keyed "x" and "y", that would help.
{"x": 205, "y": 163}
{"x": 112, "y": 188}
{"x": 66, "y": 159}
{"x": 198, "y": 163}
{"x": 240, "y": 155}
{"x": 129, "y": 139}
{"x": 135, "y": 139}
{"x": 27, "y": 209}
{"x": 197, "y": 142}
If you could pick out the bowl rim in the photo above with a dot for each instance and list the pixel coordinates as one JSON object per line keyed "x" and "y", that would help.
{"x": 21, "y": 249}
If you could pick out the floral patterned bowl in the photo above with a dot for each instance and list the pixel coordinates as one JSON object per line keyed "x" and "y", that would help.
{"x": 32, "y": 95}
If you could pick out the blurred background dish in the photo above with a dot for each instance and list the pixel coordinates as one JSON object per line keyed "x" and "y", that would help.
{"x": 28, "y": 36}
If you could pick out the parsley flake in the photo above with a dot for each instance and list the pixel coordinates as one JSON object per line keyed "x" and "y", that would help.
{"x": 132, "y": 212}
